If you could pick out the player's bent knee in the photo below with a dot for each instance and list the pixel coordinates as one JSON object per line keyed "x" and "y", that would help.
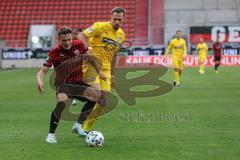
{"x": 92, "y": 94}
{"x": 95, "y": 86}
{"x": 62, "y": 97}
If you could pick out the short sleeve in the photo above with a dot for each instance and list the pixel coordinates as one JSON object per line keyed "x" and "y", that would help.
{"x": 92, "y": 31}
{"x": 50, "y": 59}
{"x": 83, "y": 48}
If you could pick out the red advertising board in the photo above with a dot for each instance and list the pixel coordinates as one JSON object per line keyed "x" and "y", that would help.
{"x": 191, "y": 61}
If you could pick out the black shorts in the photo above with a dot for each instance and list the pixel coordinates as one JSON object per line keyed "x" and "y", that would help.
{"x": 217, "y": 58}
{"x": 73, "y": 90}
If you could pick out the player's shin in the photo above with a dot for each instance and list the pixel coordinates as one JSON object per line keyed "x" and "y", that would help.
{"x": 201, "y": 68}
{"x": 86, "y": 110}
{"x": 177, "y": 76}
{"x": 216, "y": 66}
{"x": 96, "y": 113}
{"x": 55, "y": 116}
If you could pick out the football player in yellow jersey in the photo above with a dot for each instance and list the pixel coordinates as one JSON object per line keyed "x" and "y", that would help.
{"x": 105, "y": 39}
{"x": 202, "y": 50}
{"x": 179, "y": 52}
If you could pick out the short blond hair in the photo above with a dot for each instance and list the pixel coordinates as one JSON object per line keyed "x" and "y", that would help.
{"x": 119, "y": 10}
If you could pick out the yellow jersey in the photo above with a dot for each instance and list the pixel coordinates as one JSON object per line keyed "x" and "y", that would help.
{"x": 105, "y": 42}
{"x": 178, "y": 47}
{"x": 202, "y": 49}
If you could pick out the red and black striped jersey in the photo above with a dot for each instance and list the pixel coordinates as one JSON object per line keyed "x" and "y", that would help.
{"x": 217, "y": 49}
{"x": 67, "y": 63}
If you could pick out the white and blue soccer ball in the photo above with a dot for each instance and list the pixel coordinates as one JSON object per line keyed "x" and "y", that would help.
{"x": 95, "y": 139}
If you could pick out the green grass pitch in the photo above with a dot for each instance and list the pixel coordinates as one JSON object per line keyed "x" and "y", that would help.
{"x": 206, "y": 124}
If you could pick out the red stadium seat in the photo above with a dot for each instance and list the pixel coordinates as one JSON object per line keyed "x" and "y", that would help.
{"x": 17, "y": 16}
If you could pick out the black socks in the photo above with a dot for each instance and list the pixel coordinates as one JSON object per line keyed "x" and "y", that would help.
{"x": 86, "y": 110}
{"x": 55, "y": 116}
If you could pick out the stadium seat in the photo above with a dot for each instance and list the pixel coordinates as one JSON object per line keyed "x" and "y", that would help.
{"x": 19, "y": 15}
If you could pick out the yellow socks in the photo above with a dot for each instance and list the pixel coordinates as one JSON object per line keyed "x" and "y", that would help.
{"x": 201, "y": 69}
{"x": 177, "y": 77}
{"x": 96, "y": 113}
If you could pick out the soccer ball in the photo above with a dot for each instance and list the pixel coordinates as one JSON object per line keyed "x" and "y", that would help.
{"x": 95, "y": 139}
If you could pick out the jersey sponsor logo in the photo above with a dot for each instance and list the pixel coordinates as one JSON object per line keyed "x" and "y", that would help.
{"x": 178, "y": 47}
{"x": 76, "y": 52}
{"x": 111, "y": 45}
{"x": 109, "y": 41}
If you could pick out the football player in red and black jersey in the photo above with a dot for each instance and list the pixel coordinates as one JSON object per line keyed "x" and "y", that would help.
{"x": 67, "y": 60}
{"x": 217, "y": 53}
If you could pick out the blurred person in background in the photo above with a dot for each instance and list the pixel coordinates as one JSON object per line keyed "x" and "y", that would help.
{"x": 178, "y": 48}
{"x": 202, "y": 50}
{"x": 217, "y": 54}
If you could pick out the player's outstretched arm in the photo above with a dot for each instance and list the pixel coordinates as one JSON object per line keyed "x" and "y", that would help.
{"x": 113, "y": 66}
{"x": 206, "y": 50}
{"x": 40, "y": 76}
{"x": 169, "y": 47}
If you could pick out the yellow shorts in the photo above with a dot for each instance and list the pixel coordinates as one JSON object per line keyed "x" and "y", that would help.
{"x": 201, "y": 58}
{"x": 177, "y": 62}
{"x": 90, "y": 76}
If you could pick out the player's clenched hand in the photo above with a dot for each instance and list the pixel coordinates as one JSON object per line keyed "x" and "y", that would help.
{"x": 40, "y": 87}
{"x": 102, "y": 76}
